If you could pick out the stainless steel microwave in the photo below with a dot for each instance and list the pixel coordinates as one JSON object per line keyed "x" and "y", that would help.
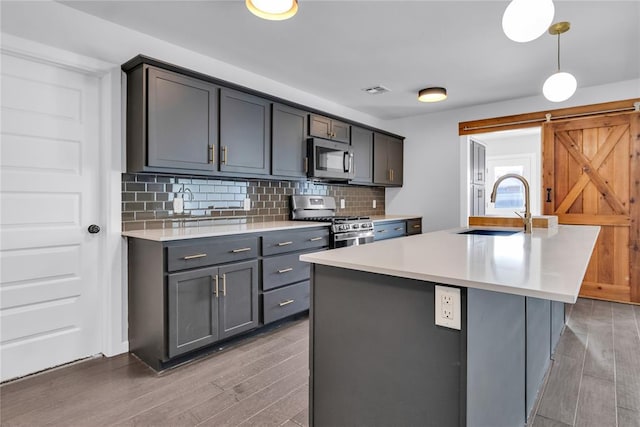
{"x": 329, "y": 160}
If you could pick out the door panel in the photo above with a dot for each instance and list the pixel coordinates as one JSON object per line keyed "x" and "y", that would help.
{"x": 49, "y": 195}
{"x": 239, "y": 299}
{"x": 591, "y": 166}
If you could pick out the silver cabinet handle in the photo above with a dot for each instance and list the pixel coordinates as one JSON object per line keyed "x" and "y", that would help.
{"x": 287, "y": 302}
{"x": 285, "y": 270}
{"x": 284, "y": 243}
{"x": 416, "y": 226}
{"x": 224, "y": 285}
{"x": 235, "y": 251}
{"x": 315, "y": 239}
{"x": 188, "y": 257}
{"x": 398, "y": 229}
{"x": 215, "y": 292}
{"x": 382, "y": 231}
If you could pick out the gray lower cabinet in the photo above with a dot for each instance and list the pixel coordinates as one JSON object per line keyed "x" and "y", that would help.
{"x": 210, "y": 304}
{"x": 389, "y": 230}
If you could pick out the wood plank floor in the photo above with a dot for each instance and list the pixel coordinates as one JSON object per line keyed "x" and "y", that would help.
{"x": 263, "y": 381}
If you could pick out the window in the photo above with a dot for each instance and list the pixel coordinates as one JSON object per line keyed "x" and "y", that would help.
{"x": 510, "y": 192}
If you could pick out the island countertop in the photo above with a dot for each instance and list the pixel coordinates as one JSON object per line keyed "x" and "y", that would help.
{"x": 549, "y": 263}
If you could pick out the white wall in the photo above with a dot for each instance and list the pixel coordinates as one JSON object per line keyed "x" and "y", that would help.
{"x": 434, "y": 158}
{"x": 57, "y": 25}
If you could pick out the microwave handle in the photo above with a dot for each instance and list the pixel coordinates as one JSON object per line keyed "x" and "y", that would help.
{"x": 347, "y": 161}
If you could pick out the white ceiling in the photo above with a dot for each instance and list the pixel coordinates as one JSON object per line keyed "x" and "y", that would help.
{"x": 333, "y": 49}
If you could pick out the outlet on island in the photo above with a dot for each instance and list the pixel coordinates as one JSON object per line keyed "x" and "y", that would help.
{"x": 447, "y": 307}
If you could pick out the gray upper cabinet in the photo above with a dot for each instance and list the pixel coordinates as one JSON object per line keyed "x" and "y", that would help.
{"x": 245, "y": 133}
{"x": 387, "y": 160}
{"x": 238, "y": 298}
{"x": 362, "y": 143}
{"x": 324, "y": 127}
{"x": 289, "y": 147}
{"x": 192, "y": 310}
{"x": 181, "y": 116}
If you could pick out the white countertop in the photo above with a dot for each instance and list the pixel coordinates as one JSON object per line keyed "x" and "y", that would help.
{"x": 549, "y": 264}
{"x": 380, "y": 218}
{"x": 168, "y": 234}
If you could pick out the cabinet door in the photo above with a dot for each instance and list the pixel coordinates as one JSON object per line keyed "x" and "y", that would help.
{"x": 245, "y": 133}
{"x": 381, "y": 172}
{"x": 319, "y": 126}
{"x": 477, "y": 205}
{"x": 395, "y": 161}
{"x": 182, "y": 120}
{"x": 340, "y": 131}
{"x": 192, "y": 310}
{"x": 289, "y": 134}
{"x": 362, "y": 143}
{"x": 478, "y": 163}
{"x": 238, "y": 298}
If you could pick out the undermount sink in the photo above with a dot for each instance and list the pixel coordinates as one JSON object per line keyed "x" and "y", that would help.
{"x": 484, "y": 232}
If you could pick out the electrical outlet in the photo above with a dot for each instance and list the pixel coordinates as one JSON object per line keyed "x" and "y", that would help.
{"x": 374, "y": 204}
{"x": 342, "y": 204}
{"x": 447, "y": 307}
{"x": 247, "y": 204}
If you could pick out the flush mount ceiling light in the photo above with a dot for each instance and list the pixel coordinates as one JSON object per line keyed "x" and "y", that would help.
{"x": 560, "y": 86}
{"x": 432, "y": 94}
{"x": 273, "y": 10}
{"x": 526, "y": 20}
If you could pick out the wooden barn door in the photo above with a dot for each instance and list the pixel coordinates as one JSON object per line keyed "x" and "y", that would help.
{"x": 591, "y": 176}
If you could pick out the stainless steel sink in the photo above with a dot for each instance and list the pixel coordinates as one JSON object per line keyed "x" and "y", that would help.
{"x": 485, "y": 232}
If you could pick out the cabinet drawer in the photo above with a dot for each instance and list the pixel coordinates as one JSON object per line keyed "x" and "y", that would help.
{"x": 414, "y": 226}
{"x": 210, "y": 252}
{"x": 288, "y": 241}
{"x": 389, "y": 230}
{"x": 285, "y": 301}
{"x": 282, "y": 270}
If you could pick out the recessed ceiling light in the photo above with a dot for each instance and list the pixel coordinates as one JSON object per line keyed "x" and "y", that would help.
{"x": 273, "y": 10}
{"x": 376, "y": 90}
{"x": 432, "y": 94}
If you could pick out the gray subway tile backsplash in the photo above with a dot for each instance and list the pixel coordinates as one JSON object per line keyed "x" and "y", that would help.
{"x": 147, "y": 200}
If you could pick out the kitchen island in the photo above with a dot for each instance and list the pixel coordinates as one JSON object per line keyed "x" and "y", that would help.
{"x": 378, "y": 358}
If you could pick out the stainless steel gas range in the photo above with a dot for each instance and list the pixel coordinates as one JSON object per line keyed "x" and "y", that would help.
{"x": 345, "y": 230}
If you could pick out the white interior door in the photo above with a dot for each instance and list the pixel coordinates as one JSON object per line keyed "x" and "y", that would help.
{"x": 49, "y": 195}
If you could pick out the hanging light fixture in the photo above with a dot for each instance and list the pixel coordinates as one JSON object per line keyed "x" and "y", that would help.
{"x": 432, "y": 94}
{"x": 561, "y": 85}
{"x": 273, "y": 10}
{"x": 526, "y": 20}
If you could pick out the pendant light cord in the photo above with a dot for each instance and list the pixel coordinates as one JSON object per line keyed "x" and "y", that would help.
{"x": 558, "y": 52}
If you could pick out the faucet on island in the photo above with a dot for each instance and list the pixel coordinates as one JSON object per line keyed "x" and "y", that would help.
{"x": 527, "y": 211}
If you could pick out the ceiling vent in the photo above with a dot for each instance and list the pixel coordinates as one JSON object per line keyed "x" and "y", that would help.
{"x": 376, "y": 90}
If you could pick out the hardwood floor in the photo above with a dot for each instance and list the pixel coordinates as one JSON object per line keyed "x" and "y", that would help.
{"x": 263, "y": 381}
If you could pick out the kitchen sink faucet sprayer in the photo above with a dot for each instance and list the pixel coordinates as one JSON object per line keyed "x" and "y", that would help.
{"x": 527, "y": 210}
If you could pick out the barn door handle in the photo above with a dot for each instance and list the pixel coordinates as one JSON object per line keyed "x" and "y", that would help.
{"x": 548, "y": 195}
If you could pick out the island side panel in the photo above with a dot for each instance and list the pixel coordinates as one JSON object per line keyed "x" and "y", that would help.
{"x": 538, "y": 347}
{"x": 378, "y": 359}
{"x": 558, "y": 321}
{"x": 495, "y": 359}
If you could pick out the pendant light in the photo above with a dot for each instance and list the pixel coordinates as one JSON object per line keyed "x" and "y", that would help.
{"x": 526, "y": 20}
{"x": 432, "y": 94}
{"x": 561, "y": 85}
{"x": 273, "y": 10}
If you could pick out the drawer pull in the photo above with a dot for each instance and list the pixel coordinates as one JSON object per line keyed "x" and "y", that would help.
{"x": 235, "y": 251}
{"x": 287, "y": 302}
{"x": 416, "y": 226}
{"x": 188, "y": 257}
{"x": 398, "y": 228}
{"x": 315, "y": 239}
{"x": 382, "y": 231}
{"x": 285, "y": 270}
{"x": 284, "y": 243}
